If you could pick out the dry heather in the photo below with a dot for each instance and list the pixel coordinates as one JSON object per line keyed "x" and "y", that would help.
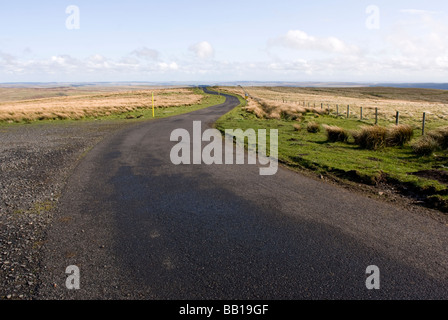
{"x": 93, "y": 105}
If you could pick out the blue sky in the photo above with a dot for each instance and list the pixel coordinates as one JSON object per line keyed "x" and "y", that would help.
{"x": 136, "y": 40}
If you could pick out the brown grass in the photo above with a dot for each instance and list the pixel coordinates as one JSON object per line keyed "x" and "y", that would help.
{"x": 411, "y": 103}
{"x": 265, "y": 109}
{"x": 336, "y": 134}
{"x": 313, "y": 127}
{"x": 440, "y": 136}
{"x": 399, "y": 135}
{"x": 255, "y": 108}
{"x": 94, "y": 105}
{"x": 425, "y": 146}
{"x": 431, "y": 142}
{"x": 370, "y": 137}
{"x": 376, "y": 137}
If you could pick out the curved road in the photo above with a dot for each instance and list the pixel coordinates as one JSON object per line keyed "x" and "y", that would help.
{"x": 139, "y": 227}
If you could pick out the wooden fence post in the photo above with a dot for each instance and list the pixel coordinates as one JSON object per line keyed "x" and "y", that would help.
{"x": 423, "y": 123}
{"x": 348, "y": 111}
{"x": 397, "y": 116}
{"x": 376, "y": 115}
{"x": 361, "y": 114}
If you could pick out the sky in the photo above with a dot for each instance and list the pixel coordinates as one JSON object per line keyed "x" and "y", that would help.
{"x": 244, "y": 40}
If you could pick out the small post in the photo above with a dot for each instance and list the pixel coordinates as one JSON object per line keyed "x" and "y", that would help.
{"x": 153, "y": 115}
{"x": 423, "y": 123}
{"x": 348, "y": 111}
{"x": 328, "y": 108}
{"x": 321, "y": 106}
{"x": 397, "y": 117}
{"x": 376, "y": 115}
{"x": 361, "y": 114}
{"x": 337, "y": 110}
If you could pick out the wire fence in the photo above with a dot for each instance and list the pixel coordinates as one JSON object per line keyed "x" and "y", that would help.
{"x": 369, "y": 115}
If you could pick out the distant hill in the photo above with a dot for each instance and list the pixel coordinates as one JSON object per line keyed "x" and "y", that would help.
{"x": 440, "y": 86}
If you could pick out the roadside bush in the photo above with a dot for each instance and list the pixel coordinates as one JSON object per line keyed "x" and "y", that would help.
{"x": 371, "y": 138}
{"x": 336, "y": 134}
{"x": 425, "y": 146}
{"x": 399, "y": 135}
{"x": 313, "y": 127}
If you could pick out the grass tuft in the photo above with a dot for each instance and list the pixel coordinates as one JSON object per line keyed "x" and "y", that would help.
{"x": 313, "y": 127}
{"x": 336, "y": 134}
{"x": 399, "y": 135}
{"x": 370, "y": 137}
{"x": 425, "y": 146}
{"x": 440, "y": 136}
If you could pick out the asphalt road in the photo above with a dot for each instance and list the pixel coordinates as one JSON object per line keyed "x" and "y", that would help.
{"x": 139, "y": 227}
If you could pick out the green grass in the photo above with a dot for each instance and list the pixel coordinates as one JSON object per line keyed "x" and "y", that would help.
{"x": 140, "y": 114}
{"x": 301, "y": 149}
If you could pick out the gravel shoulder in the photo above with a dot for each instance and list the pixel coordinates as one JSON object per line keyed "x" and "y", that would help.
{"x": 35, "y": 161}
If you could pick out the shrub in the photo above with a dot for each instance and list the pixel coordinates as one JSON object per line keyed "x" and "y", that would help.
{"x": 297, "y": 127}
{"x": 336, "y": 134}
{"x": 425, "y": 146}
{"x": 371, "y": 138}
{"x": 313, "y": 127}
{"x": 399, "y": 135}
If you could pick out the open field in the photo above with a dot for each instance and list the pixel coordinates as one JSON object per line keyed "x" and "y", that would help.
{"x": 69, "y": 103}
{"x": 391, "y": 167}
{"x": 409, "y": 102}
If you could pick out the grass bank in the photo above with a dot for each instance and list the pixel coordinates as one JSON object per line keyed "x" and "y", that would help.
{"x": 422, "y": 177}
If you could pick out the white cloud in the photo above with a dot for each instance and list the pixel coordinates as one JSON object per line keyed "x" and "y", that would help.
{"x": 168, "y": 66}
{"x": 203, "y": 50}
{"x": 146, "y": 53}
{"x": 66, "y": 65}
{"x": 300, "y": 40}
{"x": 420, "y": 42}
